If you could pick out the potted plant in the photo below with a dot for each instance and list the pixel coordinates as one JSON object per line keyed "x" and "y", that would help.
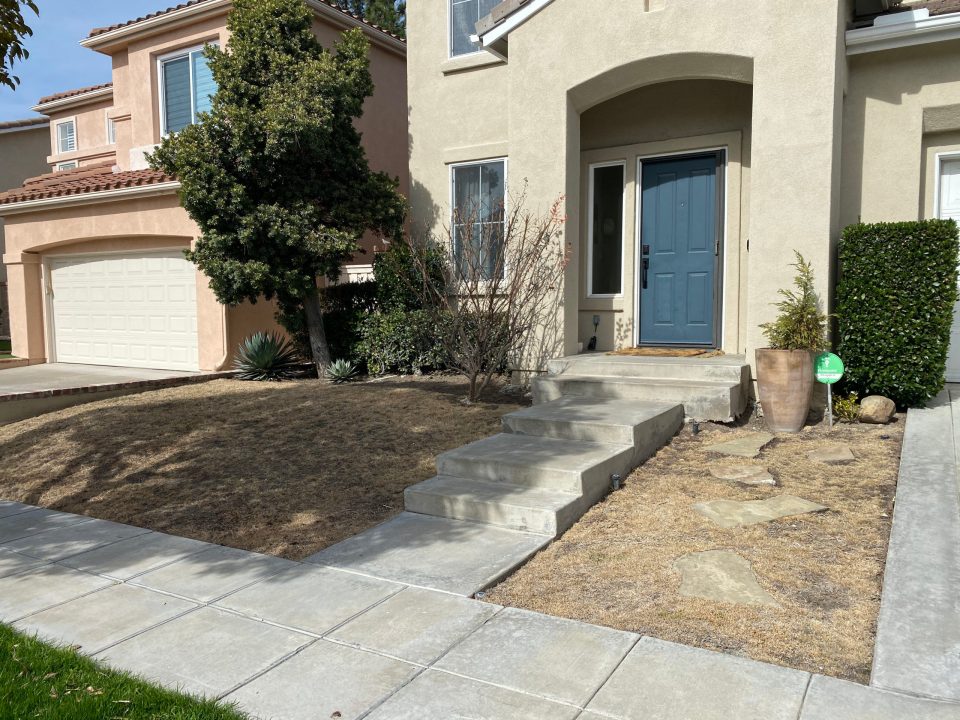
{"x": 785, "y": 369}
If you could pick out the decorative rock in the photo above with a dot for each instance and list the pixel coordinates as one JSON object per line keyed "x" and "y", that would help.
{"x": 733, "y": 513}
{"x": 832, "y": 455}
{"x": 748, "y": 446}
{"x": 877, "y": 409}
{"x": 744, "y": 474}
{"x": 721, "y": 575}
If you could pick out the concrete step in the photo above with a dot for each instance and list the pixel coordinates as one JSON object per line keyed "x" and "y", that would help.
{"x": 714, "y": 400}
{"x": 518, "y": 507}
{"x": 646, "y": 425}
{"x": 730, "y": 368}
{"x": 565, "y": 465}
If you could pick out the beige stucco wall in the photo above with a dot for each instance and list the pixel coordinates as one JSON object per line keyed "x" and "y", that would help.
{"x": 23, "y": 154}
{"x": 570, "y": 58}
{"x": 903, "y": 106}
{"x": 128, "y": 225}
{"x": 91, "y": 128}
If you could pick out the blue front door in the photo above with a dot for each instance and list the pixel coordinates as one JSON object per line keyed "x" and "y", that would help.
{"x": 680, "y": 246}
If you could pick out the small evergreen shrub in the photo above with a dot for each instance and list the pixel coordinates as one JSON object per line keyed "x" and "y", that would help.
{"x": 400, "y": 341}
{"x": 341, "y": 371}
{"x": 345, "y": 307}
{"x": 846, "y": 409}
{"x": 895, "y": 297}
{"x": 400, "y": 279}
{"x": 800, "y": 323}
{"x": 267, "y": 356}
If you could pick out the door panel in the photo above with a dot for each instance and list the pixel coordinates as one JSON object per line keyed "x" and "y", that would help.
{"x": 680, "y": 203}
{"x": 949, "y": 203}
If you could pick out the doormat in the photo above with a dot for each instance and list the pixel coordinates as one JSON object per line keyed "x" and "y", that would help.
{"x": 666, "y": 352}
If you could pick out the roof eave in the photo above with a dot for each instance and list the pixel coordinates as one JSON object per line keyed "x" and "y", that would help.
{"x": 938, "y": 28}
{"x": 101, "y": 196}
{"x": 73, "y": 100}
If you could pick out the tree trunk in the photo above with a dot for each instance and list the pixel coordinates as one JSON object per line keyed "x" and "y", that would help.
{"x": 318, "y": 336}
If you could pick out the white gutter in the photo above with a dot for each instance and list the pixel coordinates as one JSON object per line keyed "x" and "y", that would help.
{"x": 887, "y": 33}
{"x": 500, "y": 31}
{"x": 73, "y": 100}
{"x": 91, "y": 197}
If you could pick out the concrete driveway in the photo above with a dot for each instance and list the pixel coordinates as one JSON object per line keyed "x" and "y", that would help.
{"x": 29, "y": 391}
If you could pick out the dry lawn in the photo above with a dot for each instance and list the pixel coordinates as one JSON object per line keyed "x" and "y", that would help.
{"x": 615, "y": 567}
{"x": 286, "y": 469}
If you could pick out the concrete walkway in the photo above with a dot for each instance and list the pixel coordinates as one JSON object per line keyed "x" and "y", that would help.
{"x": 290, "y": 640}
{"x": 26, "y": 392}
{"x": 918, "y": 631}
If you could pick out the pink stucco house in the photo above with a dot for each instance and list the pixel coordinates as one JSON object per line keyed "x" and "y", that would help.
{"x": 94, "y": 248}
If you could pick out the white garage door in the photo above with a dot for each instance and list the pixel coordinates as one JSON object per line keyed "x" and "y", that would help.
{"x": 133, "y": 310}
{"x": 949, "y": 207}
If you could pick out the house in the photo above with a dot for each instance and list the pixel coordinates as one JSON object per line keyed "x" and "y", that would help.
{"x": 23, "y": 153}
{"x": 95, "y": 246}
{"x": 697, "y": 144}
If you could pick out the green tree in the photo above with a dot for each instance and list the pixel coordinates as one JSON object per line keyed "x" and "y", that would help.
{"x": 13, "y": 29}
{"x": 275, "y": 175}
{"x": 389, "y": 14}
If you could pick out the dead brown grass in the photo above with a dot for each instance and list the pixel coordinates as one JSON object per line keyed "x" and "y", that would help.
{"x": 286, "y": 469}
{"x": 615, "y": 567}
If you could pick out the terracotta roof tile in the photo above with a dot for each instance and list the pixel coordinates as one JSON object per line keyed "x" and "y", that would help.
{"x": 190, "y": 3}
{"x": 73, "y": 93}
{"x": 89, "y": 179}
{"x": 936, "y": 7}
{"x": 29, "y": 122}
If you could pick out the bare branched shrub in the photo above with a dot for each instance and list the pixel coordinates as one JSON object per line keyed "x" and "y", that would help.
{"x": 502, "y": 286}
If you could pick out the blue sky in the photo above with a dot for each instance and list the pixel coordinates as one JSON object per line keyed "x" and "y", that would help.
{"x": 57, "y": 62}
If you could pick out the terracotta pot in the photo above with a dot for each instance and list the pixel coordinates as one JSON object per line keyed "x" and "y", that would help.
{"x": 785, "y": 386}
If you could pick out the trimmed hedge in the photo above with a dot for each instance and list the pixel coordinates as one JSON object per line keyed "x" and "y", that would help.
{"x": 344, "y": 308}
{"x": 401, "y": 341}
{"x": 895, "y": 298}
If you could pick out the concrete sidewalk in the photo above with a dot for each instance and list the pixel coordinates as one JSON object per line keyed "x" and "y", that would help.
{"x": 290, "y": 640}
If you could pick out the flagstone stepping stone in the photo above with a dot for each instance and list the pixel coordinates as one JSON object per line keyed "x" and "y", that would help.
{"x": 743, "y": 474}
{"x": 832, "y": 454}
{"x": 733, "y": 513}
{"x": 748, "y": 446}
{"x": 721, "y": 575}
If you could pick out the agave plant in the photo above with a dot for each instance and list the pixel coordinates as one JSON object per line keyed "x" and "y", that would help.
{"x": 341, "y": 371}
{"x": 267, "y": 356}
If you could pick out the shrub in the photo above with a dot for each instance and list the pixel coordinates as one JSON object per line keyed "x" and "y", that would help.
{"x": 800, "y": 324}
{"x": 895, "y": 298}
{"x": 267, "y": 356}
{"x": 400, "y": 341}
{"x": 345, "y": 307}
{"x": 341, "y": 371}
{"x": 846, "y": 409}
{"x": 399, "y": 277}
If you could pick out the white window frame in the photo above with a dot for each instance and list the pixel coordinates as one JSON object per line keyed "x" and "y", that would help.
{"x": 623, "y": 229}
{"x": 176, "y": 55}
{"x": 450, "y": 55}
{"x": 506, "y": 199}
{"x": 111, "y": 127}
{"x": 940, "y": 159}
{"x": 69, "y": 165}
{"x": 76, "y": 135}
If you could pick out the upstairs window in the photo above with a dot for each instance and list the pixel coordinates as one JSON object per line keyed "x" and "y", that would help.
{"x": 66, "y": 166}
{"x": 66, "y": 136}
{"x": 186, "y": 89}
{"x": 464, "y": 15}
{"x": 479, "y": 218}
{"x": 111, "y": 132}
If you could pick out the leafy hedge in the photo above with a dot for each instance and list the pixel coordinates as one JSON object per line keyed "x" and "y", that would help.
{"x": 400, "y": 341}
{"x": 345, "y": 307}
{"x": 895, "y": 299}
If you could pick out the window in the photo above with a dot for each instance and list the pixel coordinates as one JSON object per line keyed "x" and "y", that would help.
{"x": 606, "y": 229}
{"x": 464, "y": 15}
{"x": 66, "y": 136}
{"x": 186, "y": 89}
{"x": 111, "y": 132}
{"x": 479, "y": 218}
{"x": 948, "y": 203}
{"x": 66, "y": 166}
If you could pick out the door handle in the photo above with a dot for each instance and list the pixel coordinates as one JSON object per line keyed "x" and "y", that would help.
{"x": 646, "y": 268}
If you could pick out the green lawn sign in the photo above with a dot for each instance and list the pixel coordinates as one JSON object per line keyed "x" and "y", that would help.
{"x": 827, "y": 369}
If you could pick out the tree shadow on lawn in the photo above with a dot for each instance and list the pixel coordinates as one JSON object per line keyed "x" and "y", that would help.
{"x": 285, "y": 469}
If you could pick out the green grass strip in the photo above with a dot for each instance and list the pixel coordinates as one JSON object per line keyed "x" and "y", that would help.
{"x": 41, "y": 681}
